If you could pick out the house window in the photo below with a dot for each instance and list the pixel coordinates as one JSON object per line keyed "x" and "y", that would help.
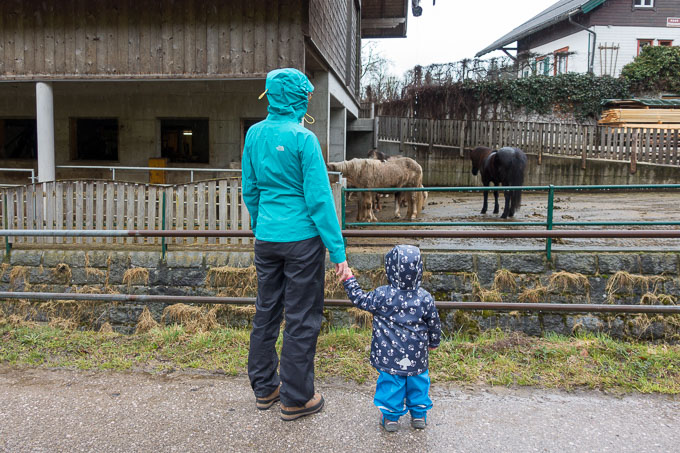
{"x": 185, "y": 140}
{"x": 561, "y": 59}
{"x": 94, "y": 138}
{"x": 666, "y": 42}
{"x": 543, "y": 64}
{"x": 18, "y": 139}
{"x": 644, "y": 43}
{"x": 643, "y": 3}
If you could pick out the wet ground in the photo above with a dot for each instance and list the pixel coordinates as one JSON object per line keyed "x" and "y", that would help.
{"x": 568, "y": 207}
{"x": 43, "y": 410}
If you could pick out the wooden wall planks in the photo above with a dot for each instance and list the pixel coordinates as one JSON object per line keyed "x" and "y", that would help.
{"x": 137, "y": 38}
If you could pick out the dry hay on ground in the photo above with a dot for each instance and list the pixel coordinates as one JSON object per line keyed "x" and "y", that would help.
{"x": 106, "y": 328}
{"x": 534, "y": 295}
{"x": 239, "y": 281}
{"x": 193, "y": 318}
{"x": 360, "y": 317}
{"x": 18, "y": 273}
{"x": 62, "y": 271}
{"x": 627, "y": 281}
{"x": 505, "y": 280}
{"x": 563, "y": 280}
{"x": 657, "y": 299}
{"x": 145, "y": 322}
{"x": 136, "y": 276}
{"x": 486, "y": 295}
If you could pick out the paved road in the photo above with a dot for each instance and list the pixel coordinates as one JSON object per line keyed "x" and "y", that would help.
{"x": 67, "y": 411}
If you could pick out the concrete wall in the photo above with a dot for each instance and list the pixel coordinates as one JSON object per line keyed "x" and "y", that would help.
{"x": 446, "y": 167}
{"x": 456, "y": 276}
{"x": 138, "y": 107}
{"x": 338, "y": 134}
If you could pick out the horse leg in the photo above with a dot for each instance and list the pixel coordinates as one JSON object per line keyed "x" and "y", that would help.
{"x": 486, "y": 198}
{"x": 397, "y": 205}
{"x": 507, "y": 210}
{"x": 495, "y": 202}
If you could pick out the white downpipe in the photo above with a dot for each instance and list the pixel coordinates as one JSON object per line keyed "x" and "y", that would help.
{"x": 45, "y": 122}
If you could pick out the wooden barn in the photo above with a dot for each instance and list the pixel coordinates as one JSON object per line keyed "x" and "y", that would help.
{"x": 133, "y": 83}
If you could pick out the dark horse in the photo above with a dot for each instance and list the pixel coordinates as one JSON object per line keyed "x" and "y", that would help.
{"x": 503, "y": 167}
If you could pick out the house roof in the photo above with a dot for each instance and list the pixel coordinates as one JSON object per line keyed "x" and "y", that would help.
{"x": 556, "y": 13}
{"x": 384, "y": 18}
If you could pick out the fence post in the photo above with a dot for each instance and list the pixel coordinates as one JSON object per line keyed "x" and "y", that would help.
{"x": 430, "y": 134}
{"x": 402, "y": 134}
{"x": 633, "y": 153}
{"x": 584, "y": 146}
{"x": 163, "y": 246}
{"x": 8, "y": 245}
{"x": 549, "y": 220}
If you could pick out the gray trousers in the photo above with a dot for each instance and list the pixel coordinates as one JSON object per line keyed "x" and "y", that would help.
{"x": 290, "y": 278}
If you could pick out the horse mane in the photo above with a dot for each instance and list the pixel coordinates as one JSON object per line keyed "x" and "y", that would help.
{"x": 379, "y": 155}
{"x": 478, "y": 155}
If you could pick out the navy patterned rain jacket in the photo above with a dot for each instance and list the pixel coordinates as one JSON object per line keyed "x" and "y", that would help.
{"x": 405, "y": 319}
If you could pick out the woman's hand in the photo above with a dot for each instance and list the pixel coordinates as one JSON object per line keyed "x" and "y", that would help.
{"x": 343, "y": 271}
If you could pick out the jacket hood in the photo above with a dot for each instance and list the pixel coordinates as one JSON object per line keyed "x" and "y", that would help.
{"x": 287, "y": 92}
{"x": 404, "y": 267}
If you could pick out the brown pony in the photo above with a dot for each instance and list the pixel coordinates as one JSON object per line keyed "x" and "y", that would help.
{"x": 503, "y": 167}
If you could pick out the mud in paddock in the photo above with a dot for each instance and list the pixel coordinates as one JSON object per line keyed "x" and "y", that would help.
{"x": 568, "y": 207}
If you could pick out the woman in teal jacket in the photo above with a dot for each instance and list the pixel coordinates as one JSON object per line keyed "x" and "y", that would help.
{"x": 288, "y": 195}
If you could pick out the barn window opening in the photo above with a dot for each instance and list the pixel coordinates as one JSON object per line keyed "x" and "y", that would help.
{"x": 643, "y": 3}
{"x": 185, "y": 140}
{"x": 18, "y": 138}
{"x": 665, "y": 42}
{"x": 94, "y": 139}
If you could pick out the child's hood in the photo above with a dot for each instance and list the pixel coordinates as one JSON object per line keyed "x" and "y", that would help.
{"x": 404, "y": 267}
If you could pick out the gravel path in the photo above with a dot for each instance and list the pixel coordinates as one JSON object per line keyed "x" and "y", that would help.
{"x": 43, "y": 410}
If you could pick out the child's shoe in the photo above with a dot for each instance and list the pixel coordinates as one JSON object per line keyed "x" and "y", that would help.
{"x": 418, "y": 423}
{"x": 390, "y": 425}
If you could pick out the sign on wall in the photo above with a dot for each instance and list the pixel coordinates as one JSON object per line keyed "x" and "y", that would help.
{"x": 673, "y": 22}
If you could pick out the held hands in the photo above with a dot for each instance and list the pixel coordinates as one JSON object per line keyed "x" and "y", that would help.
{"x": 343, "y": 271}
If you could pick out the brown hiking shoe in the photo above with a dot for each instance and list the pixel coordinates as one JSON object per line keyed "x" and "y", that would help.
{"x": 267, "y": 401}
{"x": 312, "y": 406}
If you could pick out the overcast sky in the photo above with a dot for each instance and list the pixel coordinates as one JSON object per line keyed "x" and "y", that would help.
{"x": 455, "y": 29}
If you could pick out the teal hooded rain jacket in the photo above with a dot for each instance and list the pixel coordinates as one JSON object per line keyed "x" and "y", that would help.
{"x": 285, "y": 183}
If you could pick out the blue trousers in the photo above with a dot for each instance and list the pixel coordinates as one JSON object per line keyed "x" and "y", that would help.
{"x": 395, "y": 395}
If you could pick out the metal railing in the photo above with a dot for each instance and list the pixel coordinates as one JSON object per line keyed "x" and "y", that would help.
{"x": 498, "y": 306}
{"x": 21, "y": 170}
{"x": 445, "y": 304}
{"x": 113, "y": 169}
{"x": 549, "y": 223}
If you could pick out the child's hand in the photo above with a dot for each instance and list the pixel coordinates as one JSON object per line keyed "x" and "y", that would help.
{"x": 431, "y": 349}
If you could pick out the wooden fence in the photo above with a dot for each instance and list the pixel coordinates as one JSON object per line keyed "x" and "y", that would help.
{"x": 653, "y": 145}
{"x": 109, "y": 205}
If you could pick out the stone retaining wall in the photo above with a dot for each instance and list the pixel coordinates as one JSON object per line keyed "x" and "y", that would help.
{"x": 619, "y": 278}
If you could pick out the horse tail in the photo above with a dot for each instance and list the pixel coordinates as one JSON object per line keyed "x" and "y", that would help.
{"x": 516, "y": 177}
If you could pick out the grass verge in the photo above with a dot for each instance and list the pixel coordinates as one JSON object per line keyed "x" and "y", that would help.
{"x": 492, "y": 358}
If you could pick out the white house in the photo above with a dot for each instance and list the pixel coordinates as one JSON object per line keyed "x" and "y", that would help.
{"x": 598, "y": 36}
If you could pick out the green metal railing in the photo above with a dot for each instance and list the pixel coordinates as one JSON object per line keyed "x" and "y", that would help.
{"x": 549, "y": 223}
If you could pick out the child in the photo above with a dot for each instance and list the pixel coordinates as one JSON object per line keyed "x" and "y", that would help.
{"x": 405, "y": 328}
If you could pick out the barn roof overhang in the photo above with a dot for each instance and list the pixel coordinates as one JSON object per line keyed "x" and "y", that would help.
{"x": 558, "y": 12}
{"x": 384, "y": 18}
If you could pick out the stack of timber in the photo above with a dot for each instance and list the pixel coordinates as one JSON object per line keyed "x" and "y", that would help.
{"x": 652, "y": 118}
{"x": 642, "y": 113}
